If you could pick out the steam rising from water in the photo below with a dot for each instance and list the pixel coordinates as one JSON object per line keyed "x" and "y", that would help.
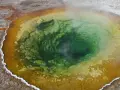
{"x": 101, "y": 5}
{"x": 105, "y": 5}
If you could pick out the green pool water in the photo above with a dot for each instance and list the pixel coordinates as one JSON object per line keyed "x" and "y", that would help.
{"x": 55, "y": 45}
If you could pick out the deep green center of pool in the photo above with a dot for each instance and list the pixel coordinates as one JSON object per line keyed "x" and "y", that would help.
{"x": 59, "y": 44}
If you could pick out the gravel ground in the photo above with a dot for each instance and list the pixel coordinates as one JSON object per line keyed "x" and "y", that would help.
{"x": 8, "y": 82}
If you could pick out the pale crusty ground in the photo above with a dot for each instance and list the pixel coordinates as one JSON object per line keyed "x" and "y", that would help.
{"x": 7, "y": 82}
